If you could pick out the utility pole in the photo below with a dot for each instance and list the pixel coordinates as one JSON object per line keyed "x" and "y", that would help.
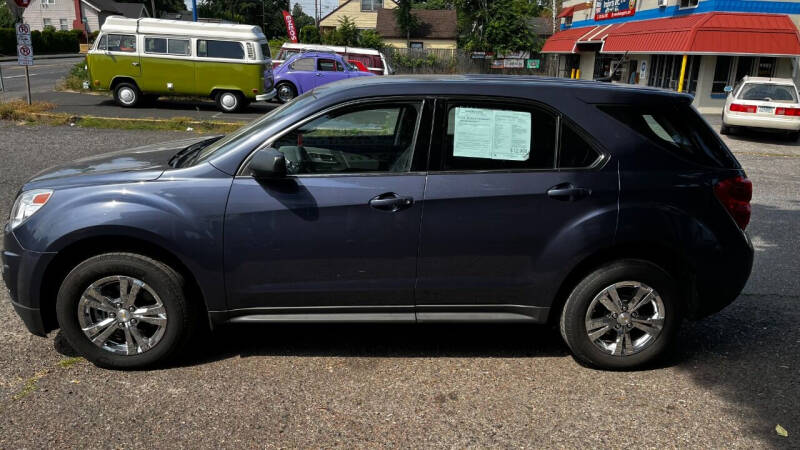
{"x": 153, "y": 9}
{"x": 554, "y": 16}
{"x": 194, "y": 10}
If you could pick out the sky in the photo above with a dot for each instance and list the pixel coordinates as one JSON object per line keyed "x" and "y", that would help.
{"x": 308, "y": 6}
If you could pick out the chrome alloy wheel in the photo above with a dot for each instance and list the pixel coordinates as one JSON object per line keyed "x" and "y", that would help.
{"x": 122, "y": 315}
{"x": 126, "y": 95}
{"x": 285, "y": 92}
{"x": 625, "y": 318}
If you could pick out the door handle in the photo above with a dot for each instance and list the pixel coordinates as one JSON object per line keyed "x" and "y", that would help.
{"x": 135, "y": 64}
{"x": 391, "y": 202}
{"x": 318, "y": 74}
{"x": 566, "y": 192}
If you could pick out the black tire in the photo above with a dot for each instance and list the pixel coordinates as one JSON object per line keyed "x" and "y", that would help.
{"x": 285, "y": 91}
{"x": 127, "y": 95}
{"x": 229, "y": 101}
{"x": 165, "y": 282}
{"x": 573, "y": 317}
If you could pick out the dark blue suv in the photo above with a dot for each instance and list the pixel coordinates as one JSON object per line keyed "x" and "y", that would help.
{"x": 612, "y": 212}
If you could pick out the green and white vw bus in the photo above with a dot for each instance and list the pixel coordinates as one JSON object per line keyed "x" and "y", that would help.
{"x": 140, "y": 59}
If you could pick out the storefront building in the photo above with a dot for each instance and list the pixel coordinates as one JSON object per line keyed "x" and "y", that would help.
{"x": 695, "y": 46}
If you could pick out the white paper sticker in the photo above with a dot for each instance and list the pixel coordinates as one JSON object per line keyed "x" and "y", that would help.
{"x": 492, "y": 134}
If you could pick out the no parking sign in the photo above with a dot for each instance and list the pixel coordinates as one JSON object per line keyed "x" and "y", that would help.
{"x": 24, "y": 46}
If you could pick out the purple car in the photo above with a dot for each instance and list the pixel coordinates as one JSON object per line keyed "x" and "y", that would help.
{"x": 305, "y": 71}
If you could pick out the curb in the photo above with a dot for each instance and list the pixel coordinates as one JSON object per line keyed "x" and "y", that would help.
{"x": 42, "y": 57}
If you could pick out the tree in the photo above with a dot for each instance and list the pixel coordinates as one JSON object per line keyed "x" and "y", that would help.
{"x": 301, "y": 19}
{"x": 407, "y": 22}
{"x": 346, "y": 33}
{"x": 162, "y": 6}
{"x": 371, "y": 39}
{"x": 6, "y": 17}
{"x": 497, "y": 25}
{"x": 309, "y": 34}
{"x": 434, "y": 4}
{"x": 266, "y": 13}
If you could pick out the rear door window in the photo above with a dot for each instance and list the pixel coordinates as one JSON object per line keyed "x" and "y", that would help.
{"x": 326, "y": 65}
{"x": 498, "y": 137}
{"x": 219, "y": 49}
{"x": 304, "y": 64}
{"x": 677, "y": 129}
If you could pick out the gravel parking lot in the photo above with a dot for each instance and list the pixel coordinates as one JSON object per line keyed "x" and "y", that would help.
{"x": 731, "y": 380}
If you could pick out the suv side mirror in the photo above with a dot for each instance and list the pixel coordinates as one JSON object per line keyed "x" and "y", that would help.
{"x": 268, "y": 163}
{"x": 728, "y": 89}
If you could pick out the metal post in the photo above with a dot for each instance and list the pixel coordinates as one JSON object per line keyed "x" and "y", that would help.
{"x": 28, "y": 84}
{"x": 194, "y": 10}
{"x": 577, "y": 74}
{"x": 683, "y": 72}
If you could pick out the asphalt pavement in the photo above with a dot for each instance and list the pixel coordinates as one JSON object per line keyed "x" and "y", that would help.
{"x": 45, "y": 75}
{"x": 731, "y": 379}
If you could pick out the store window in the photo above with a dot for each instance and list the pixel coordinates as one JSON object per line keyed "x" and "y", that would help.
{"x": 766, "y": 67}
{"x": 689, "y": 3}
{"x": 721, "y": 74}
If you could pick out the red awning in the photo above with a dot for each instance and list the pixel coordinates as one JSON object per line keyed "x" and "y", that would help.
{"x": 709, "y": 33}
{"x": 712, "y": 33}
{"x": 566, "y": 12}
{"x": 564, "y": 41}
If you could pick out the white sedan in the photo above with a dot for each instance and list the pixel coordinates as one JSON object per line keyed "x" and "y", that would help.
{"x": 763, "y": 103}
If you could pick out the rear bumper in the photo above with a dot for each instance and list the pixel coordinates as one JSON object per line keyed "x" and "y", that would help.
{"x": 765, "y": 122}
{"x": 268, "y": 96}
{"x": 22, "y": 274}
{"x": 720, "y": 278}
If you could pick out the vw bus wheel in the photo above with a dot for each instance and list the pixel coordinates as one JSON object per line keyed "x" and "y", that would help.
{"x": 124, "y": 310}
{"x": 127, "y": 95}
{"x": 286, "y": 92}
{"x": 229, "y": 102}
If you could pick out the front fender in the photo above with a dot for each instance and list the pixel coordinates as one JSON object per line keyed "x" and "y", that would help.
{"x": 184, "y": 217}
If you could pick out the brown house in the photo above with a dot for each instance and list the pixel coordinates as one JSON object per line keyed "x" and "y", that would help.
{"x": 438, "y": 29}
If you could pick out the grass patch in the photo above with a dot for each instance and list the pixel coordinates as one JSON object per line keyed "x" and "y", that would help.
{"x": 77, "y": 75}
{"x": 31, "y": 384}
{"x": 66, "y": 363}
{"x": 37, "y": 113}
{"x": 19, "y": 110}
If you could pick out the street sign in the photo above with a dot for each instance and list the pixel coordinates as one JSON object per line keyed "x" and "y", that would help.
{"x": 24, "y": 44}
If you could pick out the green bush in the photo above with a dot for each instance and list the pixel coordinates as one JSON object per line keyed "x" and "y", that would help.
{"x": 309, "y": 35}
{"x": 44, "y": 42}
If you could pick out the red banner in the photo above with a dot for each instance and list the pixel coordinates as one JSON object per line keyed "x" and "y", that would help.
{"x": 290, "y": 28}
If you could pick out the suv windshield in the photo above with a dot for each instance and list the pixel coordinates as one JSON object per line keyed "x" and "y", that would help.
{"x": 768, "y": 92}
{"x": 230, "y": 141}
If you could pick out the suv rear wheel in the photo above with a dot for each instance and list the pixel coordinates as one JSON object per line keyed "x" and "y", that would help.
{"x": 622, "y": 315}
{"x": 124, "y": 310}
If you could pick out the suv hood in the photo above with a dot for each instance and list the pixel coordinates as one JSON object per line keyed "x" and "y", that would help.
{"x": 143, "y": 163}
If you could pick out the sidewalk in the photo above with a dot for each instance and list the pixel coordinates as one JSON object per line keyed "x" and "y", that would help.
{"x": 40, "y": 57}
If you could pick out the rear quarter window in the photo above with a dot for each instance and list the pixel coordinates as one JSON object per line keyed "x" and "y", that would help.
{"x": 677, "y": 129}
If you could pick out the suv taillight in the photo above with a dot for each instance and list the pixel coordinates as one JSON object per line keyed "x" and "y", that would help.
{"x": 737, "y": 107}
{"x": 735, "y": 194}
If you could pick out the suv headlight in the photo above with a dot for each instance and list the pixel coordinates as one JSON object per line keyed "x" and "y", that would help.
{"x": 27, "y": 204}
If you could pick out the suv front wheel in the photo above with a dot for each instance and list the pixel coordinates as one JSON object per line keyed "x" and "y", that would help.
{"x": 622, "y": 315}
{"x": 124, "y": 310}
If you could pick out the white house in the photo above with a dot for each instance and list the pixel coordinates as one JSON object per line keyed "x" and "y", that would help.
{"x": 73, "y": 14}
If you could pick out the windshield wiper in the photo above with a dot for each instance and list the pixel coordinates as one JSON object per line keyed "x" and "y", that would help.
{"x": 183, "y": 156}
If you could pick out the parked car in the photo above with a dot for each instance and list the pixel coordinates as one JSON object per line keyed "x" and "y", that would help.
{"x": 305, "y": 71}
{"x": 762, "y": 103}
{"x": 358, "y": 65}
{"x": 374, "y": 60}
{"x": 141, "y": 59}
{"x": 611, "y": 211}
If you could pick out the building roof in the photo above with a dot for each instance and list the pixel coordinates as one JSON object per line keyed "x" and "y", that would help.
{"x": 434, "y": 24}
{"x": 133, "y": 10}
{"x": 708, "y": 33}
